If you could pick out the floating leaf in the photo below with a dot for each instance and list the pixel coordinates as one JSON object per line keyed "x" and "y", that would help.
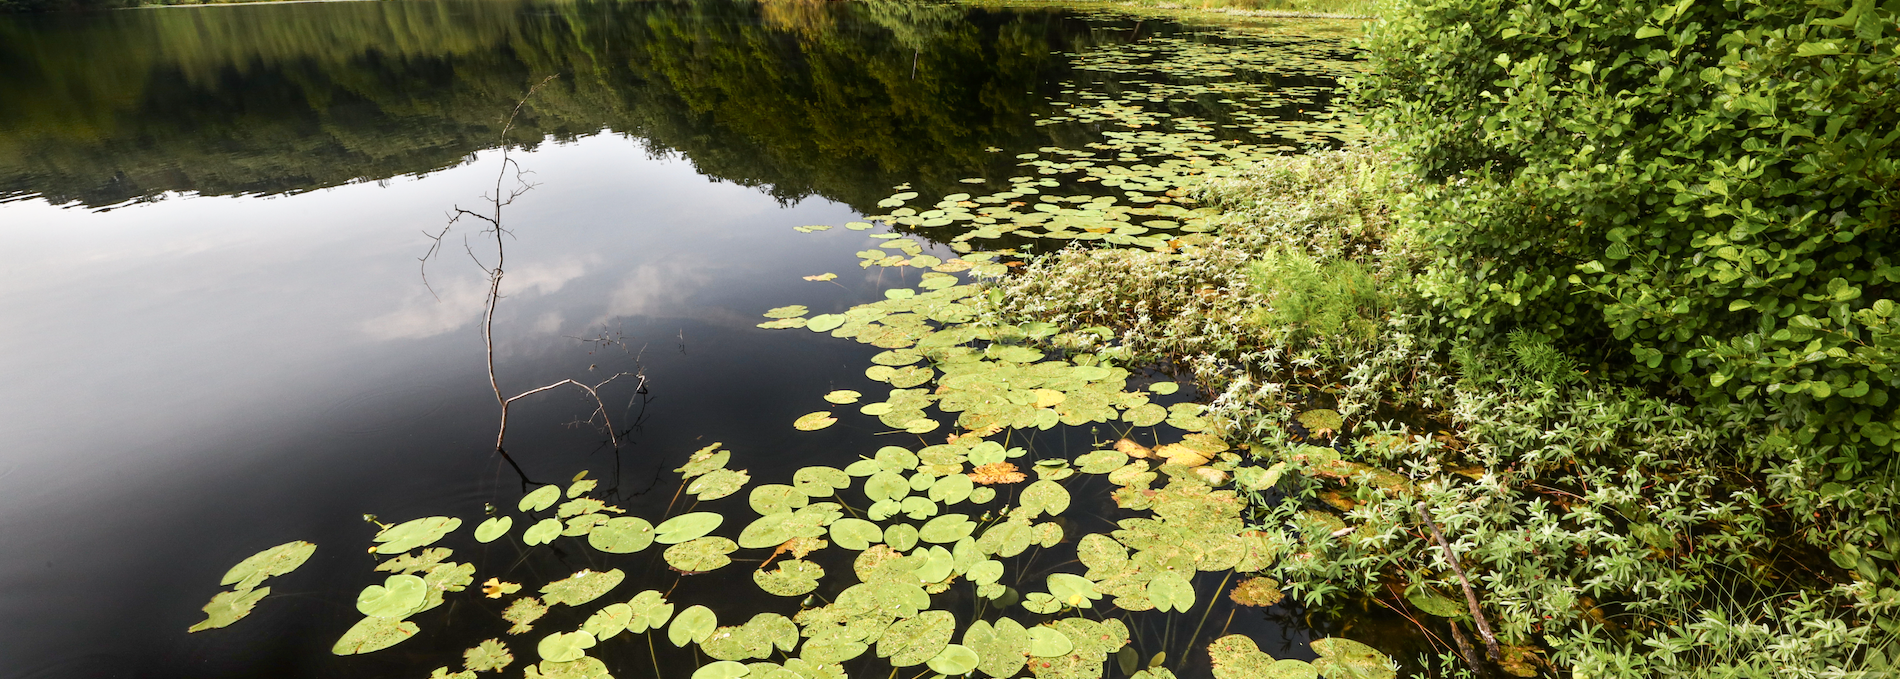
{"x": 1044, "y": 495}
{"x": 814, "y": 421}
{"x": 717, "y": 483}
{"x": 1073, "y": 590}
{"x": 1169, "y": 591}
{"x": 409, "y": 535}
{"x": 954, "y": 660}
{"x": 650, "y": 611}
{"x": 773, "y": 498}
{"x": 1236, "y": 657}
{"x": 542, "y": 532}
{"x": 1347, "y": 659}
{"x": 822, "y": 277}
{"x": 1002, "y": 647}
{"x": 824, "y": 322}
{"x": 1257, "y": 592}
{"x": 621, "y": 535}
{"x": 584, "y": 668}
{"x": 700, "y": 554}
{"x": 540, "y": 499}
{"x": 686, "y": 527}
{"x": 1430, "y": 601}
{"x": 398, "y": 597}
{"x": 916, "y": 640}
{"x": 789, "y": 311}
{"x": 581, "y": 486}
{"x": 523, "y": 612}
{"x": 723, "y": 669}
{"x": 374, "y": 634}
{"x": 1322, "y": 422}
{"x": 565, "y": 646}
{"x": 582, "y": 587}
{"x": 843, "y": 396}
{"x": 790, "y": 578}
{"x": 947, "y": 529}
{"x": 275, "y": 561}
{"x": 495, "y": 588}
{"x": 692, "y": 625}
{"x": 608, "y": 621}
{"x": 820, "y": 481}
{"x": 995, "y": 473}
{"x": 488, "y": 656}
{"x": 704, "y": 460}
{"x": 493, "y": 528}
{"x": 769, "y": 530}
{"x": 229, "y": 607}
{"x": 1164, "y": 388}
{"x": 1047, "y": 642}
{"x": 855, "y": 534}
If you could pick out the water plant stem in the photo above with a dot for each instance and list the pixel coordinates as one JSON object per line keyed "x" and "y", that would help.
{"x": 1471, "y": 595}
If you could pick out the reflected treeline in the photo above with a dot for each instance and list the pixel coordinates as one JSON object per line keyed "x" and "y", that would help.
{"x": 840, "y": 99}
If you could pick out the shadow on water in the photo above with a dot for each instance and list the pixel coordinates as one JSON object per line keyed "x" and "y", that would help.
{"x": 353, "y": 114}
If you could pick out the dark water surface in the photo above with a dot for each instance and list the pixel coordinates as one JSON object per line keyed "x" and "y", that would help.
{"x": 215, "y": 338}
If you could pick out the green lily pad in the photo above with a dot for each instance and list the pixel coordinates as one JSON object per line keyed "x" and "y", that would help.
{"x": 493, "y": 528}
{"x": 1236, "y": 657}
{"x": 650, "y": 611}
{"x": 704, "y": 460}
{"x": 409, "y": 535}
{"x": 622, "y": 535}
{"x": 843, "y": 397}
{"x": 773, "y": 498}
{"x": 855, "y": 534}
{"x": 1073, "y": 590}
{"x": 1164, "y": 388}
{"x": 947, "y": 529}
{"x": 717, "y": 483}
{"x": 584, "y": 668}
{"x": 489, "y": 656}
{"x": 723, "y": 669}
{"x": 229, "y": 607}
{"x": 1347, "y": 659}
{"x": 275, "y": 561}
{"x": 1321, "y": 420}
{"x": 795, "y": 577}
{"x": 914, "y": 641}
{"x": 608, "y": 621}
{"x": 1145, "y": 415}
{"x": 901, "y": 536}
{"x": 820, "y": 481}
{"x": 374, "y": 634}
{"x": 686, "y": 527}
{"x": 824, "y": 322}
{"x": 937, "y": 567}
{"x": 398, "y": 597}
{"x": 954, "y": 660}
{"x": 1041, "y": 602}
{"x": 886, "y": 485}
{"x": 565, "y": 646}
{"x": 789, "y": 311}
{"x": 542, "y": 498}
{"x": 692, "y": 625}
{"x": 1433, "y": 603}
{"x": 1169, "y": 591}
{"x": 767, "y": 531}
{"x": 831, "y": 652}
{"x": 700, "y": 554}
{"x": 542, "y": 532}
{"x": 1002, "y": 647}
{"x": 1048, "y": 642}
{"x": 1046, "y": 496}
{"x": 580, "y": 588}
{"x": 523, "y": 612}
{"x": 814, "y": 421}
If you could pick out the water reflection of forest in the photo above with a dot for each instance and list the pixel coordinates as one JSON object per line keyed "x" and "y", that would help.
{"x": 840, "y": 99}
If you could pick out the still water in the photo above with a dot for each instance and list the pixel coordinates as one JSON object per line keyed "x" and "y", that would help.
{"x": 216, "y": 335}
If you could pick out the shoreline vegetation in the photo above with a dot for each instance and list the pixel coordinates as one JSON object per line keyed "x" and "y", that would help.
{"x": 1604, "y": 309}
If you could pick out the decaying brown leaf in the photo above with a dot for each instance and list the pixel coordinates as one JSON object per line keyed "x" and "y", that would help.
{"x": 996, "y": 472}
{"x": 1132, "y": 449}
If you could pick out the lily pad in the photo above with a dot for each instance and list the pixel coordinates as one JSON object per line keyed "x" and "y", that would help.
{"x": 275, "y": 561}
{"x": 622, "y": 535}
{"x": 794, "y": 577}
{"x": 374, "y": 634}
{"x": 409, "y": 535}
{"x": 824, "y": 322}
{"x": 229, "y": 607}
{"x": 916, "y": 640}
{"x": 700, "y": 554}
{"x": 580, "y": 588}
{"x": 855, "y": 534}
{"x": 814, "y": 421}
{"x": 954, "y": 660}
{"x": 1236, "y": 657}
{"x": 493, "y": 528}
{"x": 565, "y": 646}
{"x": 1045, "y": 495}
{"x": 1073, "y": 590}
{"x": 542, "y": 532}
{"x": 398, "y": 597}
{"x": 1257, "y": 592}
{"x": 704, "y": 460}
{"x": 540, "y": 499}
{"x": 1003, "y": 648}
{"x": 489, "y": 656}
{"x": 1321, "y": 421}
{"x": 608, "y": 621}
{"x": 686, "y": 527}
{"x": 1169, "y": 591}
{"x": 820, "y": 481}
{"x": 717, "y": 483}
{"x": 1164, "y": 388}
{"x": 1048, "y": 642}
{"x": 523, "y": 612}
{"x": 789, "y": 311}
{"x": 773, "y": 498}
{"x": 650, "y": 611}
{"x": 723, "y": 669}
{"x": 1347, "y": 659}
{"x": 843, "y": 397}
{"x": 692, "y": 625}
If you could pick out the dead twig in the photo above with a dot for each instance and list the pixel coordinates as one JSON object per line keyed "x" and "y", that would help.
{"x": 1471, "y": 595}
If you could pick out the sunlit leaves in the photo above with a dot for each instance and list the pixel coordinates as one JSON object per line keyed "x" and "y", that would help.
{"x": 814, "y": 421}
{"x": 650, "y": 611}
{"x": 493, "y": 528}
{"x": 275, "y": 561}
{"x": 1169, "y": 591}
{"x": 523, "y": 612}
{"x": 793, "y": 577}
{"x": 542, "y": 532}
{"x": 488, "y": 656}
{"x": 580, "y": 588}
{"x": 717, "y": 483}
{"x": 610, "y": 620}
{"x": 398, "y": 597}
{"x": 843, "y": 396}
{"x": 686, "y": 527}
{"x": 692, "y": 625}
{"x": 621, "y": 535}
{"x": 228, "y": 607}
{"x": 1048, "y": 642}
{"x": 700, "y": 554}
{"x": 540, "y": 499}
{"x": 1341, "y": 658}
{"x": 409, "y": 535}
{"x": 374, "y": 634}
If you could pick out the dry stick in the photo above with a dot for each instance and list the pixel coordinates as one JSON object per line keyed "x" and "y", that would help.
{"x": 1471, "y": 596}
{"x": 1470, "y": 654}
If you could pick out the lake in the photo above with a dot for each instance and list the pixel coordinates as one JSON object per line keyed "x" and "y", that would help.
{"x": 223, "y": 329}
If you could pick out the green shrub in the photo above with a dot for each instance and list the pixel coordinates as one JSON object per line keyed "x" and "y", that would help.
{"x": 1706, "y": 190}
{"x": 1330, "y": 302}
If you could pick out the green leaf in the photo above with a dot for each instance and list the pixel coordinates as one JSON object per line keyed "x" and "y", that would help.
{"x": 717, "y": 483}
{"x": 229, "y": 607}
{"x": 686, "y": 527}
{"x": 582, "y": 587}
{"x": 855, "y": 534}
{"x": 723, "y": 669}
{"x": 374, "y": 634}
{"x": 916, "y": 640}
{"x": 542, "y": 532}
{"x": 409, "y": 535}
{"x": 1169, "y": 591}
{"x": 700, "y": 555}
{"x": 692, "y": 625}
{"x": 493, "y": 528}
{"x": 489, "y": 656}
{"x": 398, "y": 597}
{"x": 954, "y": 660}
{"x": 608, "y": 621}
{"x": 843, "y": 396}
{"x": 1002, "y": 647}
{"x": 1348, "y": 659}
{"x": 622, "y": 535}
{"x": 1648, "y": 32}
{"x": 1073, "y": 590}
{"x": 820, "y": 481}
{"x": 271, "y": 562}
{"x": 1048, "y": 642}
{"x": 541, "y": 499}
{"x": 565, "y": 646}
{"x": 650, "y": 611}
{"x": 1044, "y": 496}
{"x": 814, "y": 421}
{"x": 773, "y": 498}
{"x": 790, "y": 578}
